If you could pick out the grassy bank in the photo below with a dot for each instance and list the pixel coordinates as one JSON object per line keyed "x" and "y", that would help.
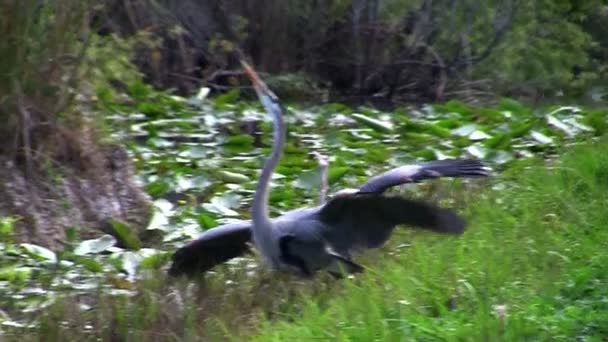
{"x": 533, "y": 265}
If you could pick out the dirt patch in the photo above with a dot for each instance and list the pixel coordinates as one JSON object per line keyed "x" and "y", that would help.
{"x": 85, "y": 195}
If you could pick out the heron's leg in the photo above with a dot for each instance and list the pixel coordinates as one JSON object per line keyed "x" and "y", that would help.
{"x": 323, "y": 171}
{"x": 350, "y": 266}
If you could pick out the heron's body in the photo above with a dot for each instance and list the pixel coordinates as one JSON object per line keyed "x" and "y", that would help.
{"x": 310, "y": 239}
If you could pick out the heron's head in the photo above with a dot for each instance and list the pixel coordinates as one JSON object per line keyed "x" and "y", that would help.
{"x": 268, "y": 99}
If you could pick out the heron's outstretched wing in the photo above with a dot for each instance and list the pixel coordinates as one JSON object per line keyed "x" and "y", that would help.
{"x": 213, "y": 247}
{"x": 222, "y": 243}
{"x": 419, "y": 172}
{"x": 367, "y": 220}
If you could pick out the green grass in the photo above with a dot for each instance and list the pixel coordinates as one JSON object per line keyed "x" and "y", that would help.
{"x": 532, "y": 266}
{"x": 537, "y": 249}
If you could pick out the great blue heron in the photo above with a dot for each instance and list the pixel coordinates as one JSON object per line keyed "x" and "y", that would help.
{"x": 309, "y": 239}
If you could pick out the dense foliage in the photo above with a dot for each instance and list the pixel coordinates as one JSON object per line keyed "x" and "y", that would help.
{"x": 397, "y": 50}
{"x": 530, "y": 266}
{"x": 199, "y": 159}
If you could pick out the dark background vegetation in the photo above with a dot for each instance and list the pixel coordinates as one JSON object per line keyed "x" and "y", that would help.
{"x": 385, "y": 50}
{"x": 95, "y": 93}
{"x": 63, "y": 61}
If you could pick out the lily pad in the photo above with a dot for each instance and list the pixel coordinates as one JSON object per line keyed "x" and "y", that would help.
{"x": 477, "y": 151}
{"x": 556, "y": 123}
{"x": 379, "y": 125}
{"x": 541, "y": 138}
{"x": 39, "y": 252}
{"x": 479, "y": 135}
{"x": 232, "y": 177}
{"x": 465, "y": 131}
{"x": 95, "y": 246}
{"x": 125, "y": 234}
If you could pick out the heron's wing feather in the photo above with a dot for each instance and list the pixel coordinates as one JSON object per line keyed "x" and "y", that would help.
{"x": 419, "y": 172}
{"x": 211, "y": 248}
{"x": 368, "y": 219}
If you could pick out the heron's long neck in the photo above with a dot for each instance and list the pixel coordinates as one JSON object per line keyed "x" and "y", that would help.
{"x": 259, "y": 208}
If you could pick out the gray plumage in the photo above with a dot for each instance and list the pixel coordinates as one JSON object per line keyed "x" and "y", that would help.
{"x": 310, "y": 239}
{"x": 217, "y": 245}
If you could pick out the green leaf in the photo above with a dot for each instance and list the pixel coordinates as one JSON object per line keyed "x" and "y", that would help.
{"x": 220, "y": 205}
{"x": 541, "y": 138}
{"x": 232, "y": 177}
{"x": 242, "y": 140}
{"x": 125, "y": 234}
{"x": 308, "y": 180}
{"x": 336, "y": 173}
{"x": 225, "y": 100}
{"x": 206, "y": 220}
{"x": 158, "y": 221}
{"x": 185, "y": 183}
{"x": 39, "y": 252}
{"x": 89, "y": 264}
{"x": 378, "y": 125}
{"x": 130, "y": 262}
{"x": 95, "y": 246}
{"x": 419, "y": 126}
{"x": 155, "y": 261}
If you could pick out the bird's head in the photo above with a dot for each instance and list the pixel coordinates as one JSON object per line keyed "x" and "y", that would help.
{"x": 268, "y": 99}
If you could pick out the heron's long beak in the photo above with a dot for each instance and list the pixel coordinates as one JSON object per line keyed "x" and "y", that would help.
{"x": 260, "y": 87}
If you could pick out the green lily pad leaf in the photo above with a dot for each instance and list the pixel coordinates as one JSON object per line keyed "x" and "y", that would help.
{"x": 359, "y": 134}
{"x": 420, "y": 126}
{"x": 232, "y": 177}
{"x": 125, "y": 234}
{"x": 229, "y": 200}
{"x": 206, "y": 221}
{"x": 196, "y": 152}
{"x": 336, "y": 173}
{"x": 185, "y": 183}
{"x": 573, "y": 122}
{"x": 39, "y": 252}
{"x": 597, "y": 120}
{"x": 226, "y": 100}
{"x": 477, "y": 151}
{"x": 541, "y": 138}
{"x": 465, "y": 130}
{"x": 155, "y": 261}
{"x": 336, "y": 108}
{"x": 202, "y": 94}
{"x": 440, "y": 155}
{"x": 14, "y": 274}
{"x": 158, "y": 221}
{"x": 378, "y": 125}
{"x": 308, "y": 180}
{"x": 95, "y": 246}
{"x": 164, "y": 206}
{"x": 89, "y": 264}
{"x": 220, "y": 206}
{"x": 479, "y": 135}
{"x": 556, "y": 123}
{"x": 502, "y": 157}
{"x": 130, "y": 263}
{"x": 160, "y": 143}
{"x": 242, "y": 140}
{"x": 569, "y": 109}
